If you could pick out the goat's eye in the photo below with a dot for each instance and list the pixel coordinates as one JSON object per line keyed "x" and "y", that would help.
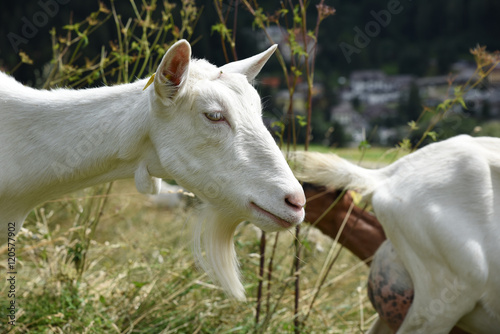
{"x": 214, "y": 116}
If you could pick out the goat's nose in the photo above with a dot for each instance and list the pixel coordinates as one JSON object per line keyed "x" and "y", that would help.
{"x": 296, "y": 201}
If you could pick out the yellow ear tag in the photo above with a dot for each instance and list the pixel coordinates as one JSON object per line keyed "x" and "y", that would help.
{"x": 150, "y": 81}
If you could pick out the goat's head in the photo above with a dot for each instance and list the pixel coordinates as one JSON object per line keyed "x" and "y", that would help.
{"x": 208, "y": 135}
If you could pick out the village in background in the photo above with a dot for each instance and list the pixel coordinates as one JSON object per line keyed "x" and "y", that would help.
{"x": 372, "y": 105}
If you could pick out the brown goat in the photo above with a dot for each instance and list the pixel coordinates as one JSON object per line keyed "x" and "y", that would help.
{"x": 362, "y": 234}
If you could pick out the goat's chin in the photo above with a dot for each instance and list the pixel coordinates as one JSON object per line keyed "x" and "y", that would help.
{"x": 213, "y": 247}
{"x": 269, "y": 226}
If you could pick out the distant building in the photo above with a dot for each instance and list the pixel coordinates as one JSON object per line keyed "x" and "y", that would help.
{"x": 494, "y": 77}
{"x": 299, "y": 97}
{"x": 351, "y": 120}
{"x": 375, "y": 87}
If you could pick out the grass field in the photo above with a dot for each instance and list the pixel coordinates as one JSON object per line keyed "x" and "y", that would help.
{"x": 139, "y": 276}
{"x": 374, "y": 156}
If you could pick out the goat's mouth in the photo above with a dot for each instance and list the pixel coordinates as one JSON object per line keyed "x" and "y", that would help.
{"x": 280, "y": 221}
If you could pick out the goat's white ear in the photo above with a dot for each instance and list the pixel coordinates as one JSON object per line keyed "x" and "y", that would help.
{"x": 173, "y": 70}
{"x": 250, "y": 67}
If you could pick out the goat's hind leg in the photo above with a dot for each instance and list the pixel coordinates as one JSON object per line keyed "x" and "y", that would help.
{"x": 431, "y": 312}
{"x": 379, "y": 327}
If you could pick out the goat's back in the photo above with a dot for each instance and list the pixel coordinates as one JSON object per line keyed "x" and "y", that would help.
{"x": 440, "y": 207}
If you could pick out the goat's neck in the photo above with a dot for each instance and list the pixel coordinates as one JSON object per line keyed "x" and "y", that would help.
{"x": 74, "y": 139}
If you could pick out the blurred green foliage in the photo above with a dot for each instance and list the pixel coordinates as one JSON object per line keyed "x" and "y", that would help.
{"x": 442, "y": 31}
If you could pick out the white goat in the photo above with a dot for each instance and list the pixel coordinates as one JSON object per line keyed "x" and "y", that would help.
{"x": 440, "y": 208}
{"x": 197, "y": 124}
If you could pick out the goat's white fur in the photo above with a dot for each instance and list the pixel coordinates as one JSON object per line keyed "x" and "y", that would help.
{"x": 440, "y": 208}
{"x": 58, "y": 141}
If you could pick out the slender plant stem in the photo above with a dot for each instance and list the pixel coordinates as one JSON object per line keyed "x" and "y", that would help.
{"x": 270, "y": 272}
{"x": 296, "y": 320}
{"x": 261, "y": 275}
{"x": 235, "y": 22}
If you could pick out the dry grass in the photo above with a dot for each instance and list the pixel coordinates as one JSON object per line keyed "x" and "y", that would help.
{"x": 140, "y": 277}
